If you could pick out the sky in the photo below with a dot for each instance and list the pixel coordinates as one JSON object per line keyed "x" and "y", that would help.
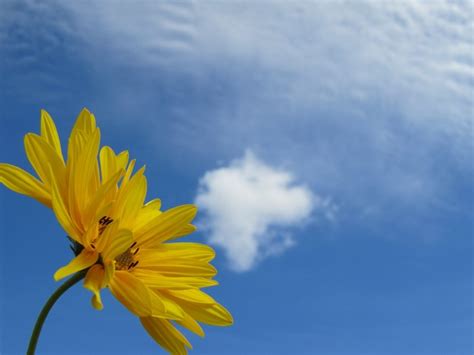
{"x": 327, "y": 144}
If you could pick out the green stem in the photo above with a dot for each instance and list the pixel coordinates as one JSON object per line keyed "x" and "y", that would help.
{"x": 47, "y": 307}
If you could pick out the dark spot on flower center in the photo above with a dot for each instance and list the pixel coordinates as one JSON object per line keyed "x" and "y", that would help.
{"x": 127, "y": 260}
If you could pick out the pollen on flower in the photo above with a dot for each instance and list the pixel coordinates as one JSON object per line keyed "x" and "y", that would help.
{"x": 103, "y": 223}
{"x": 126, "y": 260}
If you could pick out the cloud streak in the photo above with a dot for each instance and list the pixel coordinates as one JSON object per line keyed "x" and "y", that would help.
{"x": 368, "y": 102}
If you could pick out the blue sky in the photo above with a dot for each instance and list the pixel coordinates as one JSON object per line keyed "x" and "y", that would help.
{"x": 328, "y": 145}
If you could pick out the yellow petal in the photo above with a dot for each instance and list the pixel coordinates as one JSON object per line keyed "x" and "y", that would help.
{"x": 102, "y": 197}
{"x": 108, "y": 229}
{"x": 166, "y": 335}
{"x": 165, "y": 226}
{"x": 122, "y": 160}
{"x": 131, "y": 292}
{"x": 20, "y": 181}
{"x": 94, "y": 282}
{"x": 50, "y": 133}
{"x": 63, "y": 216}
{"x": 147, "y": 213}
{"x": 117, "y": 244}
{"x": 85, "y": 259}
{"x": 209, "y": 314}
{"x": 171, "y": 251}
{"x": 85, "y": 179}
{"x": 76, "y": 145}
{"x": 186, "y": 230}
{"x": 109, "y": 272}
{"x": 90, "y": 236}
{"x": 108, "y": 163}
{"x": 177, "y": 267}
{"x": 45, "y": 161}
{"x": 85, "y": 122}
{"x": 130, "y": 200}
{"x": 189, "y": 323}
{"x": 154, "y": 280}
{"x": 128, "y": 174}
{"x": 163, "y": 307}
{"x": 171, "y": 309}
{"x": 192, "y": 295}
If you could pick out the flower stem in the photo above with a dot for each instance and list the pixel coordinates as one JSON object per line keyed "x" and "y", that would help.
{"x": 47, "y": 307}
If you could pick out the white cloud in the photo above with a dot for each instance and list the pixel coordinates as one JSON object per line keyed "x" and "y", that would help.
{"x": 248, "y": 207}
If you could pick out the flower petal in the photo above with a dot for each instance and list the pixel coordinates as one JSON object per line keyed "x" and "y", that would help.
{"x": 85, "y": 176}
{"x": 178, "y": 266}
{"x": 20, "y": 181}
{"x": 45, "y": 161}
{"x": 166, "y": 335}
{"x": 62, "y": 214}
{"x": 50, "y": 133}
{"x": 119, "y": 242}
{"x": 153, "y": 279}
{"x": 209, "y": 314}
{"x": 94, "y": 282}
{"x": 108, "y": 163}
{"x": 85, "y": 259}
{"x": 131, "y": 292}
{"x": 163, "y": 307}
{"x": 192, "y": 295}
{"x": 122, "y": 160}
{"x": 148, "y": 212}
{"x": 102, "y": 197}
{"x": 130, "y": 200}
{"x": 186, "y": 230}
{"x": 195, "y": 251}
{"x": 85, "y": 122}
{"x": 165, "y": 226}
{"x": 189, "y": 323}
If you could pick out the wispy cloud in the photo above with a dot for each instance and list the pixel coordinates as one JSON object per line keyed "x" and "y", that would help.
{"x": 369, "y": 102}
{"x": 250, "y": 206}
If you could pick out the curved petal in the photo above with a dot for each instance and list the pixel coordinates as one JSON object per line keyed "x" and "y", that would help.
{"x": 45, "y": 161}
{"x": 85, "y": 181}
{"x": 172, "y": 251}
{"x": 102, "y": 197}
{"x": 131, "y": 292}
{"x": 154, "y": 280}
{"x": 163, "y": 307}
{"x": 94, "y": 282}
{"x": 190, "y": 323}
{"x": 118, "y": 243}
{"x": 85, "y": 259}
{"x": 186, "y": 230}
{"x": 178, "y": 266}
{"x": 192, "y": 295}
{"x": 147, "y": 213}
{"x": 108, "y": 163}
{"x": 213, "y": 314}
{"x": 50, "y": 133}
{"x": 20, "y": 181}
{"x": 62, "y": 214}
{"x": 122, "y": 159}
{"x": 131, "y": 200}
{"x": 166, "y": 335}
{"x": 85, "y": 122}
{"x": 165, "y": 226}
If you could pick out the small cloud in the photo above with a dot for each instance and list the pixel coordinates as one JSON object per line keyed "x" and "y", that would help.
{"x": 249, "y": 206}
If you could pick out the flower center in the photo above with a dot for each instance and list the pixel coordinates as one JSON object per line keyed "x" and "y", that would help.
{"x": 126, "y": 260}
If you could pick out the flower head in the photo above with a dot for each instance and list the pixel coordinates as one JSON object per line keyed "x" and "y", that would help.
{"x": 123, "y": 242}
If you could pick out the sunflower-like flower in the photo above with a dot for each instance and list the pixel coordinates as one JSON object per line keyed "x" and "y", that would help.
{"x": 123, "y": 243}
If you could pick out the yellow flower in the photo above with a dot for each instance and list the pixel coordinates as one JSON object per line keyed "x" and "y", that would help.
{"x": 122, "y": 242}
